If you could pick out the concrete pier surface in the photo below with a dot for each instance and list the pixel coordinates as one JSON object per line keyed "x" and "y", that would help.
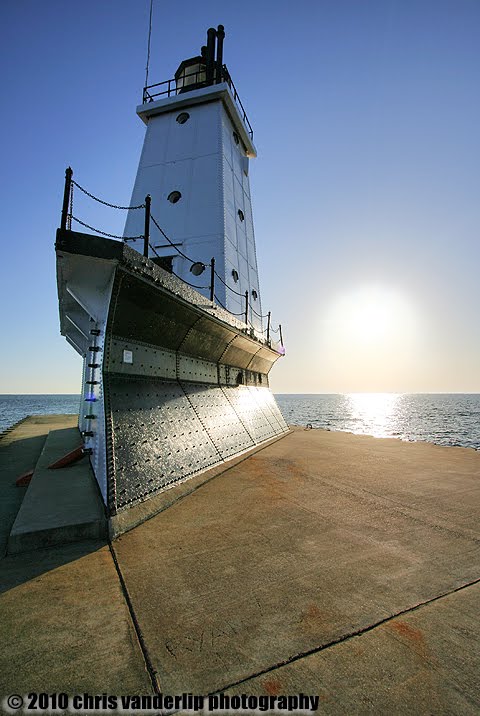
{"x": 20, "y": 450}
{"x": 336, "y": 565}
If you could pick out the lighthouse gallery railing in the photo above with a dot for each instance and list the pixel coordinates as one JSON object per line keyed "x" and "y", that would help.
{"x": 66, "y": 225}
{"x": 196, "y": 79}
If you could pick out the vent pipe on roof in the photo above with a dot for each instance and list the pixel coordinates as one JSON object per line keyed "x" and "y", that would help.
{"x": 210, "y": 59}
{"x": 220, "y": 37}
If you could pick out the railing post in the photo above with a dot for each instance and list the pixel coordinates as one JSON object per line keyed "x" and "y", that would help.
{"x": 268, "y": 326}
{"x": 66, "y": 197}
{"x": 146, "y": 234}
{"x": 212, "y": 279}
{"x": 246, "y": 307}
{"x": 280, "y": 329}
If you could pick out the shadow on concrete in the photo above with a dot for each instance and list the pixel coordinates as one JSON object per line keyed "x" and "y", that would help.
{"x": 62, "y": 505}
{"x": 18, "y": 569}
{"x": 16, "y": 458}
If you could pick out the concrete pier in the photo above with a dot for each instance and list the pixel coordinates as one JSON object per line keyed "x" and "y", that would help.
{"x": 336, "y": 565}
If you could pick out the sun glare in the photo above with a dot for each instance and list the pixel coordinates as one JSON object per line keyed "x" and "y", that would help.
{"x": 370, "y": 315}
{"x": 369, "y": 339}
{"x": 369, "y": 319}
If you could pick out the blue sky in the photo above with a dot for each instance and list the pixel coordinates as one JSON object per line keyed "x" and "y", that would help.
{"x": 365, "y": 190}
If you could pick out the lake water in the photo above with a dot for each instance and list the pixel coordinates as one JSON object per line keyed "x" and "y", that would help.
{"x": 15, "y": 407}
{"x": 448, "y": 419}
{"x": 445, "y": 419}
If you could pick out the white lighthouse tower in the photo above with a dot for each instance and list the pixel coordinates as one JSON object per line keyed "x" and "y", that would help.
{"x": 194, "y": 165}
{"x": 173, "y": 384}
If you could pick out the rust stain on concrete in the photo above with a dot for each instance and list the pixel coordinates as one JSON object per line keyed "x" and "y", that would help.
{"x": 314, "y": 619}
{"x": 272, "y": 686}
{"x": 414, "y": 637}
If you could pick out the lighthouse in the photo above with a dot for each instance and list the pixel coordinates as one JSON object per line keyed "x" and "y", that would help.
{"x": 195, "y": 166}
{"x": 168, "y": 318}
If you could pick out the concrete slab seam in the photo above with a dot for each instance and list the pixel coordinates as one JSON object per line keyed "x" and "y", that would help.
{"x": 146, "y": 656}
{"x": 345, "y": 638}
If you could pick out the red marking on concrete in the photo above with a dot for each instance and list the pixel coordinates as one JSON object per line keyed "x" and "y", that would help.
{"x": 414, "y": 637}
{"x": 315, "y": 620}
{"x": 409, "y": 632}
{"x": 272, "y": 686}
{"x": 313, "y": 612}
{"x": 68, "y": 459}
{"x": 24, "y": 479}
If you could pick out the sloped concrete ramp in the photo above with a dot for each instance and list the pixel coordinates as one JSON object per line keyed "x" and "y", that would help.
{"x": 61, "y": 505}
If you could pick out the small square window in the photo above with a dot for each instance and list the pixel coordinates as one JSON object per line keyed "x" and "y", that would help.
{"x": 165, "y": 262}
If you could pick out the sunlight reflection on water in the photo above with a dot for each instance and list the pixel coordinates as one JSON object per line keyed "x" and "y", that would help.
{"x": 374, "y": 412}
{"x": 446, "y": 419}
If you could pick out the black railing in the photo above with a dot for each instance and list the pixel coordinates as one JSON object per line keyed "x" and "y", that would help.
{"x": 190, "y": 81}
{"x": 66, "y": 225}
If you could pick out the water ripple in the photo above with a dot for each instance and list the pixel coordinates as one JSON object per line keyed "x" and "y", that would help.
{"x": 445, "y": 419}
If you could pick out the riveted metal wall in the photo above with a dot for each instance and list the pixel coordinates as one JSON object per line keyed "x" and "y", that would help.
{"x": 154, "y": 361}
{"x": 206, "y": 340}
{"x": 180, "y": 393}
{"x": 219, "y": 418}
{"x": 144, "y": 314}
{"x": 147, "y": 360}
{"x": 157, "y": 437}
{"x": 178, "y": 385}
{"x": 195, "y": 369}
{"x": 163, "y": 432}
{"x": 148, "y": 315}
{"x": 260, "y": 362}
{"x": 251, "y": 413}
{"x": 266, "y": 403}
{"x": 240, "y": 352}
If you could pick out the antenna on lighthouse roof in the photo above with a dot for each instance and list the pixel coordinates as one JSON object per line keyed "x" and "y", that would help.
{"x": 148, "y": 46}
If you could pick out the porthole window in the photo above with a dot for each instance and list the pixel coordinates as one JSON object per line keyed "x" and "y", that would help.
{"x": 236, "y": 138}
{"x": 174, "y": 196}
{"x": 197, "y": 268}
{"x": 254, "y": 294}
{"x": 183, "y": 117}
{"x": 241, "y": 215}
{"x": 235, "y": 275}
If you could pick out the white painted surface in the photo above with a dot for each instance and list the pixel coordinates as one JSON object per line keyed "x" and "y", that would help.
{"x": 200, "y": 96}
{"x": 97, "y": 406}
{"x": 202, "y": 161}
{"x": 84, "y": 288}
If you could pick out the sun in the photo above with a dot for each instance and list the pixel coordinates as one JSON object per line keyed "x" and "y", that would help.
{"x": 370, "y": 337}
{"x": 369, "y": 315}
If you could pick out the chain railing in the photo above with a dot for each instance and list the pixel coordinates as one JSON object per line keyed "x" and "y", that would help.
{"x": 66, "y": 225}
{"x": 106, "y": 203}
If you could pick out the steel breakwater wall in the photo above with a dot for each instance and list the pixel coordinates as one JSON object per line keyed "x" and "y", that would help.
{"x": 195, "y": 394}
